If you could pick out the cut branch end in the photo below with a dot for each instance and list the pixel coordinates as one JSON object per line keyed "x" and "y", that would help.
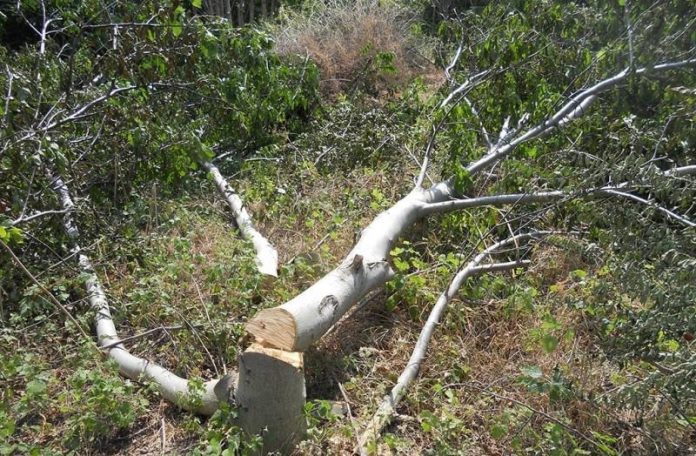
{"x": 274, "y": 328}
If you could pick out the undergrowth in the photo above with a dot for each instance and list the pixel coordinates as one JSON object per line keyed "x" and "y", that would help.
{"x": 542, "y": 361}
{"x": 358, "y": 45}
{"x": 517, "y": 365}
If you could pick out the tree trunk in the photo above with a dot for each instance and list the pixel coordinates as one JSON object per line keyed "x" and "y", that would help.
{"x": 240, "y": 12}
{"x": 271, "y": 395}
{"x": 297, "y": 324}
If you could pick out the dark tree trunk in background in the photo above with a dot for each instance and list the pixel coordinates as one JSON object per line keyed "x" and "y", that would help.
{"x": 240, "y": 12}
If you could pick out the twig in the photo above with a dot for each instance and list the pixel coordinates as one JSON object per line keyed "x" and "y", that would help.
{"x": 141, "y": 335}
{"x": 36, "y": 215}
{"x": 452, "y": 64}
{"x": 10, "y": 77}
{"x": 163, "y": 436}
{"x": 207, "y": 316}
{"x": 200, "y": 340}
{"x": 350, "y": 415}
{"x": 387, "y": 407}
{"x": 533, "y": 410}
{"x": 266, "y": 254}
{"x": 52, "y": 298}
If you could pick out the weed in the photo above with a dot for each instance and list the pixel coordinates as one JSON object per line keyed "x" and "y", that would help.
{"x": 356, "y": 44}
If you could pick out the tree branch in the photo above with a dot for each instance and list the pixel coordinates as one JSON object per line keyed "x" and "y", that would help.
{"x": 37, "y": 215}
{"x": 172, "y": 387}
{"x": 574, "y": 108}
{"x": 387, "y": 407}
{"x": 266, "y": 254}
{"x": 681, "y": 171}
{"x": 550, "y": 196}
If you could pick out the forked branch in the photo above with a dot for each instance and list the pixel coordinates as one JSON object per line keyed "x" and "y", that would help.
{"x": 387, "y": 407}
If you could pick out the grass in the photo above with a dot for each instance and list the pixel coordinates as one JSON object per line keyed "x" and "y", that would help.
{"x": 358, "y": 45}
{"x": 516, "y": 366}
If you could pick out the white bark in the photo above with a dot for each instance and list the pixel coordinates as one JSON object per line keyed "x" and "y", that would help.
{"x": 496, "y": 200}
{"x": 300, "y": 322}
{"x": 266, "y": 254}
{"x": 387, "y": 407}
{"x": 171, "y": 386}
{"x": 297, "y": 324}
{"x": 621, "y": 190}
{"x": 574, "y": 108}
{"x": 681, "y": 171}
{"x": 31, "y": 217}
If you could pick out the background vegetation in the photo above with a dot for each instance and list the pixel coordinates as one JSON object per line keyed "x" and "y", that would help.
{"x": 319, "y": 118}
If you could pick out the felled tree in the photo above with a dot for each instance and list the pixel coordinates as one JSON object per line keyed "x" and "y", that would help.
{"x": 544, "y": 109}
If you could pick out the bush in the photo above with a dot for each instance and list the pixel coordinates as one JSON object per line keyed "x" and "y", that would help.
{"x": 356, "y": 44}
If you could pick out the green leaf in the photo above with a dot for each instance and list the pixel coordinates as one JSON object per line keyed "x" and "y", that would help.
{"x": 35, "y": 387}
{"x": 549, "y": 343}
{"x": 462, "y": 179}
{"x": 498, "y": 431}
{"x": 197, "y": 3}
{"x": 532, "y": 371}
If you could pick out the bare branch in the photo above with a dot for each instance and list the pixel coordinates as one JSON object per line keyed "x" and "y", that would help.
{"x": 79, "y": 112}
{"x": 37, "y": 215}
{"x": 266, "y": 254}
{"x": 426, "y": 158}
{"x": 466, "y": 85}
{"x": 496, "y": 200}
{"x": 681, "y": 171}
{"x": 550, "y": 196}
{"x": 10, "y": 78}
{"x": 141, "y": 335}
{"x": 497, "y": 267}
{"x": 171, "y": 386}
{"x": 667, "y": 212}
{"x": 452, "y": 64}
{"x": 387, "y": 407}
{"x": 574, "y": 108}
{"x": 484, "y": 133}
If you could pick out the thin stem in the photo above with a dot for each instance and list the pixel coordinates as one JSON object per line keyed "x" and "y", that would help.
{"x": 52, "y": 298}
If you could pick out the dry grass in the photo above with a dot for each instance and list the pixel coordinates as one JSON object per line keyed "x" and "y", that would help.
{"x": 471, "y": 375}
{"x": 350, "y": 42}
